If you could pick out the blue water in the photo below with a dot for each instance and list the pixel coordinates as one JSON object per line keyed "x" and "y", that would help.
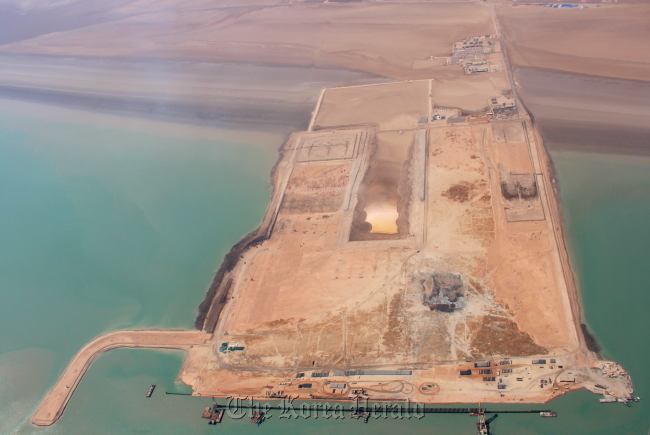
{"x": 108, "y": 223}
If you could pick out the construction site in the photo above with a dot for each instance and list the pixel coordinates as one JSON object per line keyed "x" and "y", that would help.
{"x": 398, "y": 256}
{"x": 412, "y": 250}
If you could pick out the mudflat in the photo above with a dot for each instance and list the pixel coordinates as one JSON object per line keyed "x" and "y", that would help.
{"x": 602, "y": 40}
{"x": 588, "y": 113}
{"x": 251, "y": 97}
{"x": 382, "y": 39}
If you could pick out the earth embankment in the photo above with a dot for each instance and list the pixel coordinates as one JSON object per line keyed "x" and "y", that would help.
{"x": 56, "y": 400}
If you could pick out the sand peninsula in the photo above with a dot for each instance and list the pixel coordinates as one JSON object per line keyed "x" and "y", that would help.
{"x": 413, "y": 247}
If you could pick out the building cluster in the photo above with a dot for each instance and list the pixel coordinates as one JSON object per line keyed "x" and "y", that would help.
{"x": 472, "y": 53}
{"x": 503, "y": 107}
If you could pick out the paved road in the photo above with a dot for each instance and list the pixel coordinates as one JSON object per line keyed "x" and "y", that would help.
{"x": 54, "y": 403}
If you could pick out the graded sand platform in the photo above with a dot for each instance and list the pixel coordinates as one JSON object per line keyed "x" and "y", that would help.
{"x": 406, "y": 256}
{"x": 54, "y": 403}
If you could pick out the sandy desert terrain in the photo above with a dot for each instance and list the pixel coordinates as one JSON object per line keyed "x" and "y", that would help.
{"x": 381, "y": 39}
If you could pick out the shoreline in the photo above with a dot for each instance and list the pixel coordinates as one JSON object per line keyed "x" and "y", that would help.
{"x": 543, "y": 127}
{"x": 248, "y": 115}
{"x": 230, "y": 260}
{"x": 558, "y": 222}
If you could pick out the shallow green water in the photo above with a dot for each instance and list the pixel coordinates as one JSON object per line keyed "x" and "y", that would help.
{"x": 116, "y": 224}
{"x": 107, "y": 226}
{"x": 606, "y": 206}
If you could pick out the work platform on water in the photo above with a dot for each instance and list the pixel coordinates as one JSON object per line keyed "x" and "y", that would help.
{"x": 213, "y": 413}
{"x": 258, "y": 417}
{"x": 483, "y": 425}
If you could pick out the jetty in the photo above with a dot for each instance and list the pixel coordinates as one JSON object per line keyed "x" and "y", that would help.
{"x": 215, "y": 413}
{"x": 53, "y": 404}
{"x": 358, "y": 411}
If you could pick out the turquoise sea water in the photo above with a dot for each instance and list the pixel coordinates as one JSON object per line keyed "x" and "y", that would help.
{"x": 110, "y": 224}
{"x": 606, "y": 207}
{"x": 107, "y": 223}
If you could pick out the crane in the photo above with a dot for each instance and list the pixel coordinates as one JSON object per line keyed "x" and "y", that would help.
{"x": 483, "y": 425}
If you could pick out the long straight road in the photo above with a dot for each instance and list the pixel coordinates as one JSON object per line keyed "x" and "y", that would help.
{"x": 506, "y": 61}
